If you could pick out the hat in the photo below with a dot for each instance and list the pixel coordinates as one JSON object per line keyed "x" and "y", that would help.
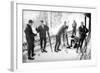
{"x": 30, "y": 21}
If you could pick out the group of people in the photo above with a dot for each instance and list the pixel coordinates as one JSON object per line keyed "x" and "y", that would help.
{"x": 78, "y": 40}
{"x": 43, "y": 29}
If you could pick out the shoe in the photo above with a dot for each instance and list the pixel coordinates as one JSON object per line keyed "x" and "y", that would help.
{"x": 33, "y": 54}
{"x": 44, "y": 51}
{"x": 41, "y": 50}
{"x": 56, "y": 50}
{"x": 72, "y": 36}
{"x": 68, "y": 47}
{"x": 30, "y": 58}
{"x": 59, "y": 49}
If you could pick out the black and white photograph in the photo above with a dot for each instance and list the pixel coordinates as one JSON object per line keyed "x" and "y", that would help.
{"x": 52, "y": 35}
{"x": 55, "y": 36}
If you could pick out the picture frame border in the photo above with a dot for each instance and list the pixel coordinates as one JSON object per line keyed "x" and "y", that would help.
{"x": 15, "y": 66}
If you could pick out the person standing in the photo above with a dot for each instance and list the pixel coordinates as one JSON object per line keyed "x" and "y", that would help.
{"x": 65, "y": 35}
{"x": 58, "y": 37}
{"x": 82, "y": 32}
{"x": 30, "y": 39}
{"x": 74, "y": 25}
{"x": 42, "y": 29}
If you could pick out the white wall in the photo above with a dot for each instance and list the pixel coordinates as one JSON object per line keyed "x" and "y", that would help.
{"x": 5, "y": 35}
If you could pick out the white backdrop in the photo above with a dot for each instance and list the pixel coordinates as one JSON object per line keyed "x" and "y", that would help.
{"x": 5, "y": 35}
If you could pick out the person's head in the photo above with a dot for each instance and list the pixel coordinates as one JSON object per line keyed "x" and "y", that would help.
{"x": 42, "y": 22}
{"x": 30, "y": 22}
{"x": 65, "y": 23}
{"x": 74, "y": 21}
{"x": 82, "y": 24}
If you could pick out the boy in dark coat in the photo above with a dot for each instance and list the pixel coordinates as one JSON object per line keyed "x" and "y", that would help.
{"x": 30, "y": 40}
{"x": 42, "y": 29}
{"x": 82, "y": 31}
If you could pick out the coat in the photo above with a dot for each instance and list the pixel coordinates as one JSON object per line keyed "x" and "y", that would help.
{"x": 42, "y": 31}
{"x": 82, "y": 31}
{"x": 29, "y": 34}
{"x": 62, "y": 30}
